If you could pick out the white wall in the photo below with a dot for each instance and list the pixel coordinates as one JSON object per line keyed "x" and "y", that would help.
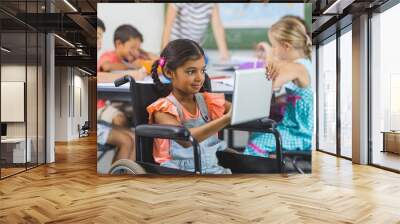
{"x": 82, "y": 82}
{"x": 61, "y": 103}
{"x": 33, "y": 126}
{"x": 67, "y": 115}
{"x": 80, "y": 93}
{"x": 14, "y": 73}
{"x": 148, "y": 18}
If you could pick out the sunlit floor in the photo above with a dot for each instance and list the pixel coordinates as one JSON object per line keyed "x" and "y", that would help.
{"x": 9, "y": 170}
{"x": 386, "y": 159}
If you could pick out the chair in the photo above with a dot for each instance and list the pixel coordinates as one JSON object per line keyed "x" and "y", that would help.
{"x": 143, "y": 94}
{"x": 84, "y": 130}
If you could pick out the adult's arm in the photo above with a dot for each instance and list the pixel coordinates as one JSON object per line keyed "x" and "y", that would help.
{"x": 169, "y": 21}
{"x": 219, "y": 33}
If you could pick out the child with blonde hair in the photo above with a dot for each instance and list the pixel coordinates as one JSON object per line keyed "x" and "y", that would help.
{"x": 289, "y": 67}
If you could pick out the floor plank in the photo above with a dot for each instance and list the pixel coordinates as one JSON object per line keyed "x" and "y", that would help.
{"x": 70, "y": 191}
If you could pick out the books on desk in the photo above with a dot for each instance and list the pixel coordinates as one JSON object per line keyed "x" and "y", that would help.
{"x": 232, "y": 66}
{"x": 226, "y": 66}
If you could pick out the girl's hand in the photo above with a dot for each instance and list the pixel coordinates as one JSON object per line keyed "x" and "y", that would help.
{"x": 228, "y": 115}
{"x": 272, "y": 70}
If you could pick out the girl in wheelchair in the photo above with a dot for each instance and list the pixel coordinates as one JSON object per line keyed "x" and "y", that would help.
{"x": 289, "y": 66}
{"x": 186, "y": 103}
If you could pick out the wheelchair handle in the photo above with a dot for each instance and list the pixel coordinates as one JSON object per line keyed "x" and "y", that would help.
{"x": 123, "y": 80}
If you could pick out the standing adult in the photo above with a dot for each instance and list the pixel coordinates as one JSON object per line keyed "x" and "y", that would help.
{"x": 190, "y": 21}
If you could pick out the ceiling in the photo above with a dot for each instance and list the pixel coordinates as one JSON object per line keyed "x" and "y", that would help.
{"x": 329, "y": 15}
{"x": 75, "y": 23}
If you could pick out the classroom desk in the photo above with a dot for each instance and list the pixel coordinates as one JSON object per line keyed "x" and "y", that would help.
{"x": 109, "y": 91}
{"x": 13, "y": 150}
{"x": 220, "y": 85}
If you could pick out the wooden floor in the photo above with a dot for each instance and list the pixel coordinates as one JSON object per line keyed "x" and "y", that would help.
{"x": 386, "y": 159}
{"x": 70, "y": 191}
{"x": 10, "y": 171}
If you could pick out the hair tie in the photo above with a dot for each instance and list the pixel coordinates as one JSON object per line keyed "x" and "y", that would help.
{"x": 162, "y": 61}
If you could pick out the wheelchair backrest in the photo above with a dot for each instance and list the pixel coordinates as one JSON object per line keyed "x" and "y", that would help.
{"x": 143, "y": 94}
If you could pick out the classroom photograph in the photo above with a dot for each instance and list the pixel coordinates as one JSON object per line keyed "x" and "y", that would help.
{"x": 278, "y": 111}
{"x": 226, "y": 55}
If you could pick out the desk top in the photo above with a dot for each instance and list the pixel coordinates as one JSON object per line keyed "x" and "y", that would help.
{"x": 221, "y": 80}
{"x": 14, "y": 140}
{"x": 391, "y": 132}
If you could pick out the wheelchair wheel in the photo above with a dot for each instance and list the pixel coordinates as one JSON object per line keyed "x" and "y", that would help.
{"x": 126, "y": 166}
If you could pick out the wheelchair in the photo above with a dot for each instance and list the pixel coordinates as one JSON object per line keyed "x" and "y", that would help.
{"x": 107, "y": 152}
{"x": 144, "y": 94}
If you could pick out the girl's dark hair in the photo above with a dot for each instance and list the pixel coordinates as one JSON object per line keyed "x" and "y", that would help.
{"x": 177, "y": 53}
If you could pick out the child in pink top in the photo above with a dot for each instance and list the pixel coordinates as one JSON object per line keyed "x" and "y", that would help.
{"x": 186, "y": 104}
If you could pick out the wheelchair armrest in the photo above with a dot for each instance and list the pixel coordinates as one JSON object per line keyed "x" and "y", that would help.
{"x": 260, "y": 125}
{"x": 163, "y": 131}
{"x": 265, "y": 125}
{"x": 171, "y": 132}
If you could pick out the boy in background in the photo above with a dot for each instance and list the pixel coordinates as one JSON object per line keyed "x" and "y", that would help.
{"x": 128, "y": 53}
